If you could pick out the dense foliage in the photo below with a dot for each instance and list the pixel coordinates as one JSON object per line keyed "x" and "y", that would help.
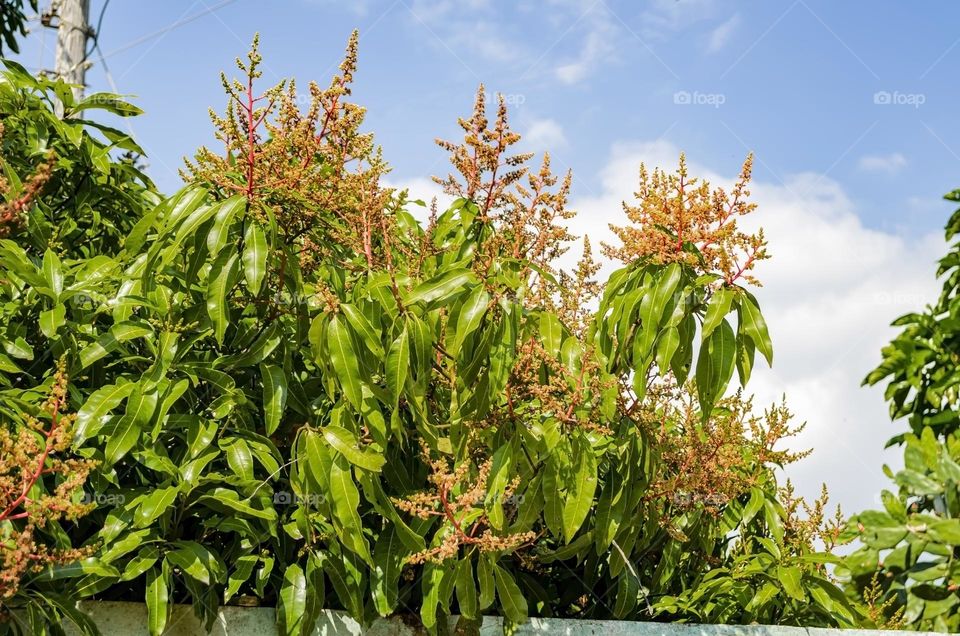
{"x": 13, "y": 22}
{"x": 910, "y": 547}
{"x": 295, "y": 387}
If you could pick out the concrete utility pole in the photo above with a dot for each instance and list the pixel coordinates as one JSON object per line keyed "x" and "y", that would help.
{"x": 72, "y": 34}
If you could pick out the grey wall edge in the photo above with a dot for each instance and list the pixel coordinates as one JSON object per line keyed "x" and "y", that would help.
{"x": 130, "y": 619}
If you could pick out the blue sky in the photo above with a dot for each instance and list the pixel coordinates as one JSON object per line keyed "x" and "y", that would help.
{"x": 849, "y": 107}
{"x": 796, "y": 80}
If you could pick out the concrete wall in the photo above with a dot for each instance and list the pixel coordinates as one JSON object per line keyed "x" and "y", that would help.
{"x": 130, "y": 619}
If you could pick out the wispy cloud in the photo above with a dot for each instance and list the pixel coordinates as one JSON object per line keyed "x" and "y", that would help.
{"x": 544, "y": 135}
{"x": 597, "y": 30}
{"x": 889, "y": 164}
{"x": 663, "y": 18}
{"x": 474, "y": 26}
{"x": 720, "y": 36}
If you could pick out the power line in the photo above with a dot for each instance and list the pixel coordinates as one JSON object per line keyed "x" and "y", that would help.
{"x": 168, "y": 28}
{"x": 95, "y": 35}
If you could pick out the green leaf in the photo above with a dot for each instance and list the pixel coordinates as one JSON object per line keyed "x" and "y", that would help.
{"x": 254, "y": 257}
{"x": 197, "y": 562}
{"x": 226, "y": 500}
{"x": 239, "y": 457}
{"x": 945, "y": 531}
{"x": 154, "y": 505}
{"x": 243, "y": 568}
{"x": 274, "y": 395}
{"x": 717, "y": 309}
{"x": 443, "y": 289}
{"x": 485, "y": 580}
{"x": 52, "y": 319}
{"x": 398, "y": 365}
{"x": 293, "y": 601}
{"x": 362, "y": 327}
{"x": 109, "y": 102}
{"x": 343, "y": 356}
{"x": 389, "y": 557}
{"x": 760, "y": 598}
{"x": 753, "y": 325}
{"x": 21, "y": 349}
{"x": 467, "y": 590}
{"x": 715, "y": 365}
{"x": 259, "y": 350}
{"x": 746, "y": 352}
{"x": 346, "y": 505}
{"x": 121, "y": 441}
{"x": 110, "y": 341}
{"x": 753, "y": 506}
{"x": 96, "y": 410}
{"x": 666, "y": 287}
{"x": 90, "y": 565}
{"x": 156, "y": 597}
{"x": 190, "y": 212}
{"x": 551, "y": 332}
{"x": 790, "y": 578}
{"x": 581, "y": 489}
{"x": 53, "y": 272}
{"x": 220, "y": 281}
{"x": 511, "y": 598}
{"x": 469, "y": 317}
{"x": 222, "y": 222}
{"x": 347, "y": 445}
{"x": 666, "y": 347}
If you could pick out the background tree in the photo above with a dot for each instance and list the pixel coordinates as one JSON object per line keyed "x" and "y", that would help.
{"x": 13, "y": 22}
{"x": 909, "y": 548}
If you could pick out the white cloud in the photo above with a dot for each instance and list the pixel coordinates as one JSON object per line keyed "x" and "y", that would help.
{"x": 544, "y": 135}
{"x": 890, "y": 164}
{"x": 423, "y": 189}
{"x": 721, "y": 35}
{"x": 598, "y": 44}
{"x": 830, "y": 292}
{"x": 471, "y": 26}
{"x": 665, "y": 17}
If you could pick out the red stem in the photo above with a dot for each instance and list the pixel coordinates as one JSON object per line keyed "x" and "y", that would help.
{"x": 250, "y": 136}
{"x": 32, "y": 479}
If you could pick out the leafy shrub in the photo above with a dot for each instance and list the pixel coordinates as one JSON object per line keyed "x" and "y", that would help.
{"x": 909, "y": 547}
{"x": 297, "y": 394}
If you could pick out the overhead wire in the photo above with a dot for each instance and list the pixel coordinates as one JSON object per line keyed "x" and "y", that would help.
{"x": 170, "y": 27}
